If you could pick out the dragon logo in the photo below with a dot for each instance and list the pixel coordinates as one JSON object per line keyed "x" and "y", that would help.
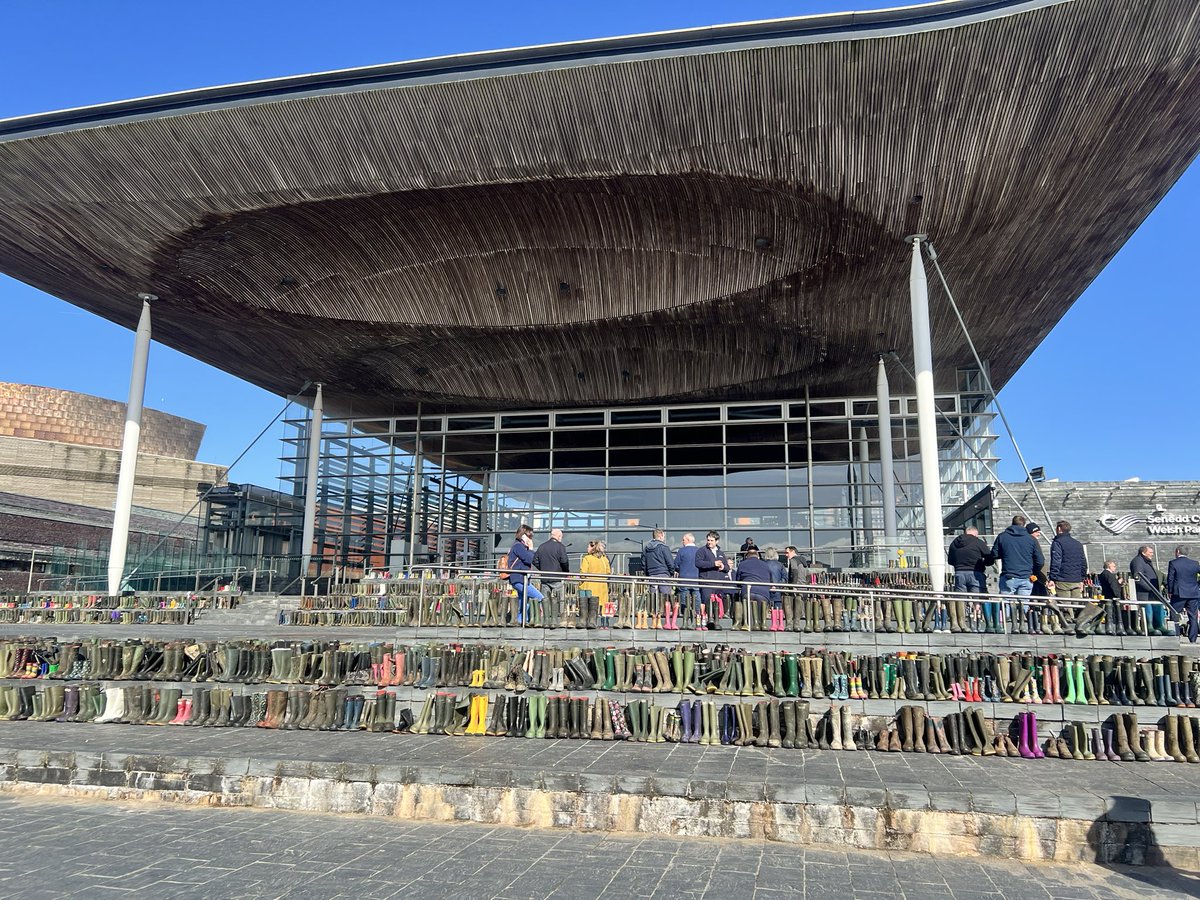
{"x": 1121, "y": 524}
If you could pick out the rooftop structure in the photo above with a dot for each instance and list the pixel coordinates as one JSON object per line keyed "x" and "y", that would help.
{"x": 714, "y": 214}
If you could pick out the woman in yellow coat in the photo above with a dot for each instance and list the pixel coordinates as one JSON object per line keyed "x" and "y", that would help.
{"x": 596, "y": 563}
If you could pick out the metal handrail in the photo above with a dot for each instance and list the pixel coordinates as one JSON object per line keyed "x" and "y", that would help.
{"x": 889, "y": 592}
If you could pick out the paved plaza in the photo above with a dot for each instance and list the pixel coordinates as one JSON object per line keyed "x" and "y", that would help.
{"x": 58, "y": 848}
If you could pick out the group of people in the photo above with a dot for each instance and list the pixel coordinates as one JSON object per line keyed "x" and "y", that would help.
{"x": 694, "y": 566}
{"x": 703, "y": 573}
{"x": 1023, "y": 573}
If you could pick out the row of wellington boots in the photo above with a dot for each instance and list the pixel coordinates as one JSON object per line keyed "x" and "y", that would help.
{"x": 1182, "y": 738}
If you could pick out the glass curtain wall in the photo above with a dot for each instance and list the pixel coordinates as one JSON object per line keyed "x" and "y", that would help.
{"x": 801, "y": 472}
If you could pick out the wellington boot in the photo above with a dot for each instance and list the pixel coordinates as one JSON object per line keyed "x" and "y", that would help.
{"x": 847, "y": 729}
{"x": 1160, "y": 745}
{"x": 114, "y": 706}
{"x": 758, "y": 718}
{"x": 658, "y": 718}
{"x": 1135, "y": 738}
{"x": 818, "y": 676}
{"x": 747, "y": 686}
{"x": 804, "y": 664}
{"x": 834, "y": 720}
{"x": 918, "y": 729}
{"x": 662, "y": 667}
{"x": 931, "y": 742}
{"x": 1189, "y": 738}
{"x": 171, "y": 699}
{"x": 774, "y": 738}
{"x": 904, "y": 721}
{"x": 706, "y": 722}
{"x": 943, "y": 745}
{"x": 1121, "y": 733}
{"x": 425, "y": 720}
{"x": 788, "y": 714}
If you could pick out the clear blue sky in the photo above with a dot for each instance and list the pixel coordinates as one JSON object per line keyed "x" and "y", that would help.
{"x": 1111, "y": 393}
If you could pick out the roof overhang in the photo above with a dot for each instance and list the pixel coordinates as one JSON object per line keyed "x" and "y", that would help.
{"x": 714, "y": 213}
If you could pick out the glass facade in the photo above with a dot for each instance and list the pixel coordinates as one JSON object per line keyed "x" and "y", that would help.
{"x": 802, "y": 472}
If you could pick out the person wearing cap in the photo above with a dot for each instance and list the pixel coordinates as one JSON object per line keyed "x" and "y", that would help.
{"x": 1019, "y": 555}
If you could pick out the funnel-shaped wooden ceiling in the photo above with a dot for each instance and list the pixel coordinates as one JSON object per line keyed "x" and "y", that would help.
{"x": 708, "y": 214}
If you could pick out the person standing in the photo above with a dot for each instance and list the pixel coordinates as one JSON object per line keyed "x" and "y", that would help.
{"x": 1183, "y": 587}
{"x": 518, "y": 564}
{"x": 1088, "y": 619}
{"x": 970, "y": 557}
{"x": 793, "y": 603}
{"x": 778, "y": 576}
{"x": 713, "y": 566}
{"x": 685, "y": 569}
{"x": 1113, "y": 592}
{"x": 1068, "y": 568}
{"x": 1019, "y": 555}
{"x": 756, "y": 593}
{"x": 595, "y": 562}
{"x": 550, "y": 558}
{"x": 1068, "y": 563}
{"x": 660, "y": 565}
{"x": 1146, "y": 587}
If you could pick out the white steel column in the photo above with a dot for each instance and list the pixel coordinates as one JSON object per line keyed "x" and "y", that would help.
{"x": 931, "y": 481}
{"x": 887, "y": 467}
{"x": 119, "y": 545}
{"x": 864, "y": 488}
{"x": 309, "y": 531}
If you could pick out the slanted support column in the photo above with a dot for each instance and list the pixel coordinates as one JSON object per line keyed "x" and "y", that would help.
{"x": 931, "y": 481}
{"x": 309, "y": 531}
{"x": 119, "y": 545}
{"x": 887, "y": 466}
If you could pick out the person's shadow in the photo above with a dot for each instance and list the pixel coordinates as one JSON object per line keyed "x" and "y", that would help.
{"x": 1119, "y": 841}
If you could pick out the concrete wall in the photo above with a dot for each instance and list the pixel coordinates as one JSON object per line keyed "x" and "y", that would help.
{"x": 1144, "y": 512}
{"x": 88, "y": 475}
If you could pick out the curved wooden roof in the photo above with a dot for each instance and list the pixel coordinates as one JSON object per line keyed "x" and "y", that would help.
{"x": 715, "y": 213}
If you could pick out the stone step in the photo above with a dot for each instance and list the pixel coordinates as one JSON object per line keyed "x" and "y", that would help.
{"x": 1049, "y": 809}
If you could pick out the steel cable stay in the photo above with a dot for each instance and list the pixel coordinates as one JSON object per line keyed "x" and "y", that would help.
{"x": 933, "y": 258}
{"x": 150, "y": 554}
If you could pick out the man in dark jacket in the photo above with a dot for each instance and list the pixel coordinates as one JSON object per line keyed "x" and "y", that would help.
{"x": 656, "y": 557}
{"x": 1145, "y": 580}
{"x": 1183, "y": 587}
{"x": 1019, "y": 556}
{"x": 550, "y": 558}
{"x": 1068, "y": 564}
{"x": 970, "y": 558}
{"x": 685, "y": 569}
{"x": 752, "y": 569}
{"x": 793, "y": 604}
{"x": 713, "y": 566}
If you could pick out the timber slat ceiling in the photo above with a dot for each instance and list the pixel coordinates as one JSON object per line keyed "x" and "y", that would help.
{"x": 717, "y": 225}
